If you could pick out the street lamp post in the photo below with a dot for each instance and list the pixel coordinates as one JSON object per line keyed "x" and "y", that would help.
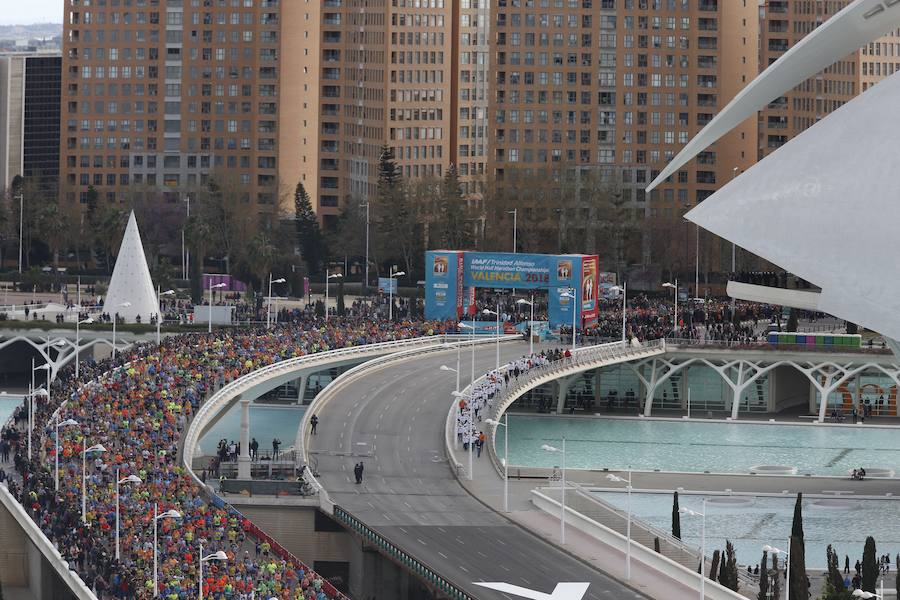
{"x": 212, "y": 287}
{"x": 269, "y": 299}
{"x": 129, "y": 479}
{"x": 456, "y": 370}
{"x": 31, "y": 394}
{"x": 218, "y": 555}
{"x": 734, "y": 173}
{"x": 169, "y": 514}
{"x": 562, "y": 514}
{"x": 624, "y": 289}
{"x": 702, "y": 515}
{"x": 84, "y": 453}
{"x": 787, "y": 568}
{"x": 115, "y": 318}
{"x": 530, "y": 323}
{"x": 488, "y": 311}
{"x": 392, "y": 275}
{"x": 159, "y": 296}
{"x": 515, "y": 213}
{"x": 674, "y": 287}
{"x": 627, "y": 483}
{"x": 66, "y": 423}
{"x": 21, "y": 199}
{"x": 78, "y": 325}
{"x": 505, "y": 426}
{"x": 327, "y": 278}
{"x": 366, "y": 280}
{"x": 571, "y": 294}
{"x": 185, "y": 253}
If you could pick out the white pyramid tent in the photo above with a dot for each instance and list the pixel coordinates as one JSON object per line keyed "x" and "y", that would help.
{"x": 131, "y": 283}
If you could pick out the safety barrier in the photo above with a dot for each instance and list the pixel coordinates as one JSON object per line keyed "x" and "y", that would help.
{"x": 45, "y": 546}
{"x": 416, "y": 566}
{"x": 277, "y": 548}
{"x": 325, "y": 395}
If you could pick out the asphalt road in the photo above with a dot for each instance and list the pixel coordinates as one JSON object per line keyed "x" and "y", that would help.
{"x": 393, "y": 421}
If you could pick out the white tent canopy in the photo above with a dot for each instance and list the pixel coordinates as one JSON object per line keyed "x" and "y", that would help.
{"x": 131, "y": 292}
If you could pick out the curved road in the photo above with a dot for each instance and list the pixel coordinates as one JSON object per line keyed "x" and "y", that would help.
{"x": 393, "y": 419}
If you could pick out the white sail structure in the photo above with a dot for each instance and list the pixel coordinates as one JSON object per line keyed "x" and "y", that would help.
{"x": 131, "y": 291}
{"x": 825, "y": 206}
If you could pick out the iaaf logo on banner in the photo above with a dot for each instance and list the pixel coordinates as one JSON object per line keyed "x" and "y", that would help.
{"x": 563, "y": 591}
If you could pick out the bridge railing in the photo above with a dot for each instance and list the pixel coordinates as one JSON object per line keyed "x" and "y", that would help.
{"x": 416, "y": 566}
{"x": 765, "y": 345}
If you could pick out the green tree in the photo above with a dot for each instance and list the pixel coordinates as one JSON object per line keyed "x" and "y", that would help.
{"x": 834, "y": 581}
{"x": 714, "y": 565}
{"x": 455, "y": 227}
{"x": 869, "y": 567}
{"x": 729, "y": 575}
{"x": 309, "y": 235}
{"x": 797, "y": 555}
{"x": 763, "y": 577}
{"x": 676, "y": 518}
{"x": 793, "y": 322}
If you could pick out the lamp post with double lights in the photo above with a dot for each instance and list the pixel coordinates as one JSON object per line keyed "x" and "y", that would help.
{"x": 624, "y": 289}
{"x": 217, "y": 286}
{"x": 218, "y": 555}
{"x": 488, "y": 311}
{"x": 32, "y": 393}
{"x": 627, "y": 483}
{"x": 84, "y": 453}
{"x": 169, "y": 514}
{"x": 365, "y": 286}
{"x": 505, "y": 426}
{"x": 456, "y": 370}
{"x": 571, "y": 294}
{"x": 674, "y": 287}
{"x": 327, "y": 278}
{"x": 562, "y": 513}
{"x": 702, "y": 515}
{"x": 115, "y": 318}
{"x": 530, "y": 323}
{"x": 269, "y": 299}
{"x": 391, "y": 276}
{"x": 129, "y": 479}
{"x": 787, "y": 568}
{"x": 471, "y": 329}
{"x": 66, "y": 423}
{"x": 515, "y": 213}
{"x": 159, "y": 313}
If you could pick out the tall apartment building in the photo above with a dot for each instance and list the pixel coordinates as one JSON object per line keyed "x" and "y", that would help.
{"x": 499, "y": 87}
{"x": 165, "y": 93}
{"x": 29, "y": 116}
{"x": 784, "y": 23}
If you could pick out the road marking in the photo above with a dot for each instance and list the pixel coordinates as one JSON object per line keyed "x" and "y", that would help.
{"x": 442, "y": 555}
{"x": 505, "y": 568}
{"x": 403, "y": 530}
{"x": 421, "y": 542}
{"x": 463, "y": 568}
{"x": 349, "y": 412}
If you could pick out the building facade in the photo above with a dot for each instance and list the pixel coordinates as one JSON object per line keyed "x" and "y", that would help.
{"x": 164, "y": 94}
{"x": 29, "y": 116}
{"x": 786, "y": 22}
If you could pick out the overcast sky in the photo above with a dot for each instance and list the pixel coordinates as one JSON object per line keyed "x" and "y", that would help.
{"x": 18, "y": 12}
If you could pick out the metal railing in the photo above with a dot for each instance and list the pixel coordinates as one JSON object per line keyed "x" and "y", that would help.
{"x": 427, "y": 573}
{"x": 765, "y": 345}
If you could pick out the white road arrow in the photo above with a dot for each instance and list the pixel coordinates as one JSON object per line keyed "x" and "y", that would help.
{"x": 563, "y": 591}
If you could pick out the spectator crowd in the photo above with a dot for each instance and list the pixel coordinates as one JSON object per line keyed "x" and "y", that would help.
{"x": 138, "y": 408}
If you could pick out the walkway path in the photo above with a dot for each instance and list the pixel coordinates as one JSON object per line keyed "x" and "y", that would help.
{"x": 393, "y": 421}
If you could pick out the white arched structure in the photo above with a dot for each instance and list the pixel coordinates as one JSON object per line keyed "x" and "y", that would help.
{"x": 60, "y": 351}
{"x": 792, "y": 207}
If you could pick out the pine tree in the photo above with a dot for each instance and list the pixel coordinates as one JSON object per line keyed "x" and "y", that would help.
{"x": 714, "y": 565}
{"x": 797, "y": 555}
{"x": 869, "y": 567}
{"x": 763, "y": 577}
{"x": 723, "y": 576}
{"x": 729, "y": 575}
{"x": 309, "y": 235}
{"x": 776, "y": 578}
{"x": 676, "y": 518}
{"x": 834, "y": 568}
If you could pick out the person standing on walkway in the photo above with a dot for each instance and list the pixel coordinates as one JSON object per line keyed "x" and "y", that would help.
{"x": 276, "y": 443}
{"x": 254, "y": 449}
{"x": 314, "y": 422}
{"x": 357, "y": 472}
